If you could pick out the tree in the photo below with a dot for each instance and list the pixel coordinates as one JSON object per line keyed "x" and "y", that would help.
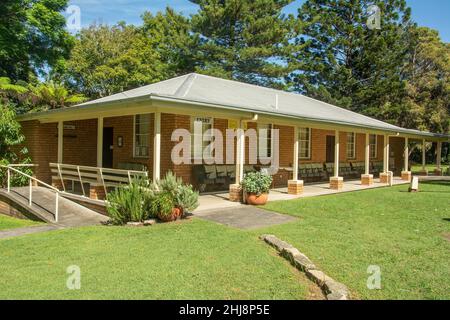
{"x": 428, "y": 78}
{"x": 53, "y": 95}
{"x": 244, "y": 40}
{"x": 107, "y": 60}
{"x": 174, "y": 40}
{"x": 340, "y": 60}
{"x": 32, "y": 36}
{"x": 10, "y": 140}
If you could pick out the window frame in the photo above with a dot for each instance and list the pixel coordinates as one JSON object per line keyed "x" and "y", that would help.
{"x": 141, "y": 134}
{"x": 353, "y": 155}
{"x": 193, "y": 120}
{"x": 299, "y": 129}
{"x": 270, "y": 149}
{"x": 375, "y": 146}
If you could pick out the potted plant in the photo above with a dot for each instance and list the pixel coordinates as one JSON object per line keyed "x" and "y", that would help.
{"x": 163, "y": 207}
{"x": 256, "y": 186}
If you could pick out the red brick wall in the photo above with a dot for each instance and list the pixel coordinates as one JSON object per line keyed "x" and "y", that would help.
{"x": 80, "y": 144}
{"x": 123, "y": 127}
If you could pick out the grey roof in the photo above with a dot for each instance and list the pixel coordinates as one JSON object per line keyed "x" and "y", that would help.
{"x": 226, "y": 93}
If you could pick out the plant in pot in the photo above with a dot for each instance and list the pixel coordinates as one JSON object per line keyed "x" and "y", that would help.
{"x": 163, "y": 207}
{"x": 256, "y": 186}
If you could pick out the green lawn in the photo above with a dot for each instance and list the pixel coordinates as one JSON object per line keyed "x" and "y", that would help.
{"x": 403, "y": 233}
{"x": 430, "y": 167}
{"x": 7, "y": 222}
{"x": 188, "y": 260}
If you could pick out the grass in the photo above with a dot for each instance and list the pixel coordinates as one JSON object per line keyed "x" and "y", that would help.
{"x": 7, "y": 222}
{"x": 416, "y": 168}
{"x": 188, "y": 260}
{"x": 406, "y": 234}
{"x": 403, "y": 233}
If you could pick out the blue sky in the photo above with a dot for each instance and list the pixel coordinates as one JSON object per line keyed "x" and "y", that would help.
{"x": 430, "y": 13}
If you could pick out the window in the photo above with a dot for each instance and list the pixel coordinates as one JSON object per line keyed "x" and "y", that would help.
{"x": 351, "y": 145}
{"x": 373, "y": 146}
{"x": 205, "y": 123}
{"x": 304, "y": 140}
{"x": 265, "y": 140}
{"x": 141, "y": 135}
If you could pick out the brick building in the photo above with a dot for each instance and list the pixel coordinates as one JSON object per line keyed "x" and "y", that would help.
{"x": 134, "y": 129}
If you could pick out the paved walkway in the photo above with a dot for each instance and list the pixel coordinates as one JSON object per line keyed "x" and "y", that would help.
{"x": 245, "y": 217}
{"x": 27, "y": 230}
{"x": 210, "y": 202}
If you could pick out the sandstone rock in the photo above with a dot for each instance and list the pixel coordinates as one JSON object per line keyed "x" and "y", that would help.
{"x": 276, "y": 243}
{"x": 149, "y": 222}
{"x": 135, "y": 224}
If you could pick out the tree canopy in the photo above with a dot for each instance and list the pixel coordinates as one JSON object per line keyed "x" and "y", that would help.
{"x": 32, "y": 37}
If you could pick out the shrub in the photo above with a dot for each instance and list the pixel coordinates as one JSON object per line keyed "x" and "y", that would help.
{"x": 162, "y": 205}
{"x": 129, "y": 203}
{"x": 257, "y": 183}
{"x": 183, "y": 195}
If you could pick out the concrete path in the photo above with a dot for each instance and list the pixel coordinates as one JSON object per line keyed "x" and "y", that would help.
{"x": 71, "y": 214}
{"x": 245, "y": 217}
{"x": 11, "y": 233}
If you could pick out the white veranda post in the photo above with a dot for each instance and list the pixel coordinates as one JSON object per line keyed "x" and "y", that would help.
{"x": 367, "y": 155}
{"x": 406, "y": 155}
{"x": 336, "y": 154}
{"x": 60, "y": 141}
{"x": 157, "y": 147}
{"x": 295, "y": 156}
{"x": 100, "y": 142}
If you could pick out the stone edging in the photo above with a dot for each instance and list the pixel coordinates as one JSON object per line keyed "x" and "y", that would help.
{"x": 333, "y": 290}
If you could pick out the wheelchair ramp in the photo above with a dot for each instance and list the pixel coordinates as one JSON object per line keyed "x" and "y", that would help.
{"x": 43, "y": 206}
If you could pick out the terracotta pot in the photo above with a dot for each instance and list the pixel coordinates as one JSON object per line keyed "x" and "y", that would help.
{"x": 256, "y": 200}
{"x": 170, "y": 217}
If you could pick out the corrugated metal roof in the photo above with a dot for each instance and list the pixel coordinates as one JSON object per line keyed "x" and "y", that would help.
{"x": 227, "y": 93}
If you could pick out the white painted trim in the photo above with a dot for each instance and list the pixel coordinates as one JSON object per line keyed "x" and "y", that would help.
{"x": 353, "y": 157}
{"x": 406, "y": 155}
{"x": 367, "y": 155}
{"x": 386, "y": 154}
{"x": 438, "y": 155}
{"x": 134, "y": 135}
{"x": 157, "y": 147}
{"x": 192, "y": 120}
{"x": 60, "y": 141}
{"x": 240, "y": 153}
{"x": 424, "y": 158}
{"x": 336, "y": 154}
{"x": 309, "y": 143}
{"x": 99, "y": 142}
{"x": 296, "y": 157}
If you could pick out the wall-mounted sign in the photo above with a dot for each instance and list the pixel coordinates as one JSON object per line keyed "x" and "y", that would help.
{"x": 69, "y": 127}
{"x": 120, "y": 141}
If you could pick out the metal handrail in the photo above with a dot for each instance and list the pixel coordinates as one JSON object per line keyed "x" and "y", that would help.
{"x": 31, "y": 178}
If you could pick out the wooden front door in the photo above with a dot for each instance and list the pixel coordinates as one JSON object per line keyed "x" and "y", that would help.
{"x": 108, "y": 144}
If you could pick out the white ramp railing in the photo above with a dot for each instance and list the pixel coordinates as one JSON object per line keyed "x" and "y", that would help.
{"x": 12, "y": 168}
{"x": 104, "y": 177}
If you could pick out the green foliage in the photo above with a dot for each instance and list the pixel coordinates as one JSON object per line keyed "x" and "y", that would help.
{"x": 162, "y": 204}
{"x": 52, "y": 95}
{"x": 427, "y": 106}
{"x": 341, "y": 61}
{"x": 183, "y": 195}
{"x": 107, "y": 60}
{"x": 257, "y": 183}
{"x": 32, "y": 36}
{"x": 10, "y": 151}
{"x": 244, "y": 40}
{"x": 129, "y": 203}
